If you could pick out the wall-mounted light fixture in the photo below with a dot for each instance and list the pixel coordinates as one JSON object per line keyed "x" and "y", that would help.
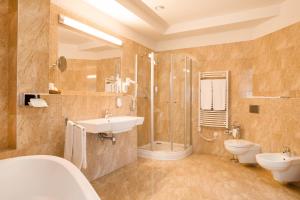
{"x": 89, "y": 30}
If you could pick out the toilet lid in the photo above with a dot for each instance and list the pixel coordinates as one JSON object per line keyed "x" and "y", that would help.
{"x": 239, "y": 143}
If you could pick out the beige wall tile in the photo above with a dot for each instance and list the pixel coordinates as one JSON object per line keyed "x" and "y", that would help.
{"x": 274, "y": 62}
{"x": 41, "y": 131}
{"x": 4, "y": 51}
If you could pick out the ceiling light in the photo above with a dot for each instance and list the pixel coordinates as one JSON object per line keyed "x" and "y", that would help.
{"x": 159, "y": 7}
{"x": 89, "y": 30}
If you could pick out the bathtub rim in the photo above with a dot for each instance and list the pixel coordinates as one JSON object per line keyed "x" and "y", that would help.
{"x": 85, "y": 186}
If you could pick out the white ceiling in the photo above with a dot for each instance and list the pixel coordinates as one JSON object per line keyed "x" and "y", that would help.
{"x": 184, "y": 10}
{"x": 183, "y": 22}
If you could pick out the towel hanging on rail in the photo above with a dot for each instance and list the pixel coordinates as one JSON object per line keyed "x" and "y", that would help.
{"x": 219, "y": 94}
{"x": 69, "y": 140}
{"x": 79, "y": 147}
{"x": 75, "y": 145}
{"x": 206, "y": 95}
{"x": 218, "y": 114}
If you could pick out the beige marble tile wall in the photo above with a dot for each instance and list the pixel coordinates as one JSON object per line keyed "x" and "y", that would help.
{"x": 275, "y": 66}
{"x": 32, "y": 70}
{"x": 31, "y": 131}
{"x": 12, "y": 73}
{"x": 41, "y": 131}
{"x": 103, "y": 157}
{"x": 130, "y": 48}
{"x": 4, "y": 40}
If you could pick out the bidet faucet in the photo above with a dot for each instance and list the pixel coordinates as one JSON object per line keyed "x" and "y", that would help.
{"x": 107, "y": 114}
{"x": 286, "y": 150}
{"x": 235, "y": 130}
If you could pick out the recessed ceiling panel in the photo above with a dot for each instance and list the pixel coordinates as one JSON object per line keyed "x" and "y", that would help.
{"x": 176, "y": 11}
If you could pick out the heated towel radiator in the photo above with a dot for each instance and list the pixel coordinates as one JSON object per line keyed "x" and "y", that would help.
{"x": 214, "y": 118}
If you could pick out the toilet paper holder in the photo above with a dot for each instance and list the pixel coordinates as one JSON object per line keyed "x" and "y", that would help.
{"x": 26, "y": 97}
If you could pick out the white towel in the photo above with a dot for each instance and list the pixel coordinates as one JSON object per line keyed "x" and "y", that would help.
{"x": 79, "y": 147}
{"x": 206, "y": 94}
{"x": 69, "y": 141}
{"x": 219, "y": 94}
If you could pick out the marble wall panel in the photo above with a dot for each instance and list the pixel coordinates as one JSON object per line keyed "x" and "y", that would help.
{"x": 33, "y": 45}
{"x": 12, "y": 73}
{"x": 32, "y": 69}
{"x": 4, "y": 42}
{"x": 268, "y": 66}
{"x": 41, "y": 131}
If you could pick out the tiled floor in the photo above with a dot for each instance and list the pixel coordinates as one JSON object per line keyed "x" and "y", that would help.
{"x": 197, "y": 177}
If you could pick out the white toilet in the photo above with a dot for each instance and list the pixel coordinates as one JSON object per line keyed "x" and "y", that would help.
{"x": 243, "y": 149}
{"x": 284, "y": 168}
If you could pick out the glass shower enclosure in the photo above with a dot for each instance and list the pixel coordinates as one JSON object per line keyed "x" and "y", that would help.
{"x": 164, "y": 100}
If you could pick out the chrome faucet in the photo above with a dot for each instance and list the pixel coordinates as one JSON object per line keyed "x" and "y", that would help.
{"x": 107, "y": 114}
{"x": 286, "y": 150}
{"x": 235, "y": 130}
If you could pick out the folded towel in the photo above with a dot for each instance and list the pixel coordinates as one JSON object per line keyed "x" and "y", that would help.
{"x": 219, "y": 94}
{"x": 79, "y": 147}
{"x": 69, "y": 141}
{"x": 206, "y": 94}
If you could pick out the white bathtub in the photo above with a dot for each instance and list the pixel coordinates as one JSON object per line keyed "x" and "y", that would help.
{"x": 43, "y": 178}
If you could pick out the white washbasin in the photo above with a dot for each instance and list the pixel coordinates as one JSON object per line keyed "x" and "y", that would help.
{"x": 118, "y": 124}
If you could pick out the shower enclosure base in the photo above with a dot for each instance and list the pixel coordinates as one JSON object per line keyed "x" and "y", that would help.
{"x": 162, "y": 151}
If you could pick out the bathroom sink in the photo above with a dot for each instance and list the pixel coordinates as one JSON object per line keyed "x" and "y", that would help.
{"x": 115, "y": 125}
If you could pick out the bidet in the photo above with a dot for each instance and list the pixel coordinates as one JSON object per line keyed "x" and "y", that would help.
{"x": 284, "y": 168}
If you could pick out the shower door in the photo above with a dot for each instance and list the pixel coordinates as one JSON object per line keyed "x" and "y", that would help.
{"x": 180, "y": 102}
{"x": 172, "y": 102}
{"x": 165, "y": 101}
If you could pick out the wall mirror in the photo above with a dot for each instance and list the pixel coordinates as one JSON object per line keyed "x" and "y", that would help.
{"x": 85, "y": 63}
